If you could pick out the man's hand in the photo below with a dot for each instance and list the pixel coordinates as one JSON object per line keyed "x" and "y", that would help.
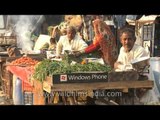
{"x": 118, "y": 65}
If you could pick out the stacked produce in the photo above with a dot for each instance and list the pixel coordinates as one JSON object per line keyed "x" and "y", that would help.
{"x": 24, "y": 61}
{"x": 48, "y": 67}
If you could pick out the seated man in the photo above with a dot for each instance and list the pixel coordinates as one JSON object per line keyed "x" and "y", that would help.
{"x": 71, "y": 41}
{"x": 51, "y": 46}
{"x": 128, "y": 52}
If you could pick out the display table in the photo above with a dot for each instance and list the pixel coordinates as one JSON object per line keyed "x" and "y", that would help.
{"x": 148, "y": 84}
{"x": 124, "y": 86}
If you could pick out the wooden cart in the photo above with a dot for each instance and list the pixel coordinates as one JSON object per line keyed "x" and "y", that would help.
{"x": 124, "y": 86}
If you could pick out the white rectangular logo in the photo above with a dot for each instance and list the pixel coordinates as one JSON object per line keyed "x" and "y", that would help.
{"x": 63, "y": 78}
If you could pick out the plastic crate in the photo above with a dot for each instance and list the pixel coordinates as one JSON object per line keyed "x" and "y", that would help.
{"x": 28, "y": 98}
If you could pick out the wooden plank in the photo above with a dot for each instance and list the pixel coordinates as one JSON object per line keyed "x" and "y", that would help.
{"x": 103, "y": 85}
{"x": 38, "y": 97}
{"x": 123, "y": 76}
{"x": 125, "y": 90}
{"x": 3, "y": 59}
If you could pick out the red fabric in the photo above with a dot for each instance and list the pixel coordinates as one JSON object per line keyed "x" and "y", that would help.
{"x": 95, "y": 45}
{"x": 105, "y": 40}
{"x": 24, "y": 74}
{"x": 92, "y": 48}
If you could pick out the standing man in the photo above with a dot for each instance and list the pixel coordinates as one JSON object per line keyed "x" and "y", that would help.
{"x": 71, "y": 41}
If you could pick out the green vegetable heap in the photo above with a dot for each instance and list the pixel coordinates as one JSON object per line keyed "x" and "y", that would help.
{"x": 48, "y": 68}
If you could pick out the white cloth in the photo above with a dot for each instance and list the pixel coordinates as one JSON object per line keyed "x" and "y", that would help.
{"x": 76, "y": 44}
{"x": 149, "y": 98}
{"x": 42, "y": 39}
{"x": 126, "y": 57}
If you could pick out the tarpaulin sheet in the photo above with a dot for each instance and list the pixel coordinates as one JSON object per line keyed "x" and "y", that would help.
{"x": 24, "y": 74}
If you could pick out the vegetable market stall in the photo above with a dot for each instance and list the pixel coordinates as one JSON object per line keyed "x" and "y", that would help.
{"x": 123, "y": 86}
{"x": 23, "y": 68}
{"x": 58, "y": 77}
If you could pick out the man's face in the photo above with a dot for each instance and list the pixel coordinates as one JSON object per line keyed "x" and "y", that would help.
{"x": 127, "y": 41}
{"x": 70, "y": 34}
